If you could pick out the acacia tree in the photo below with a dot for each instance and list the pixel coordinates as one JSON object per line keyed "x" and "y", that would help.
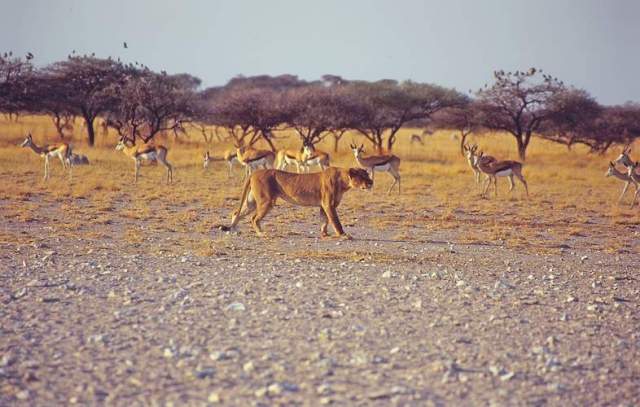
{"x": 391, "y": 105}
{"x": 315, "y": 111}
{"x": 463, "y": 118}
{"x": 575, "y": 117}
{"x": 83, "y": 81}
{"x": 518, "y": 103}
{"x": 15, "y": 77}
{"x": 46, "y": 96}
{"x": 145, "y": 103}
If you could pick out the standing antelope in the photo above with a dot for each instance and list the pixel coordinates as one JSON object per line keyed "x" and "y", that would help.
{"x": 207, "y": 160}
{"x": 385, "y": 163}
{"x": 231, "y": 157}
{"x": 613, "y": 172}
{"x": 635, "y": 177}
{"x": 253, "y": 159}
{"x": 311, "y": 156}
{"x": 470, "y": 154}
{"x": 625, "y": 159}
{"x": 151, "y": 153}
{"x": 494, "y": 169}
{"x": 415, "y": 138}
{"x": 285, "y": 158}
{"x": 62, "y": 151}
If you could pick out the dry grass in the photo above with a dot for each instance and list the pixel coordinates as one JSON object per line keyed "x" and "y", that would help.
{"x": 570, "y": 197}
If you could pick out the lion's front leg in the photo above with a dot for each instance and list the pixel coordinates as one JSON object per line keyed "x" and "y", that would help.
{"x": 332, "y": 214}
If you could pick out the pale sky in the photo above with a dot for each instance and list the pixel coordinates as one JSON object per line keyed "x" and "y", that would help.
{"x": 591, "y": 44}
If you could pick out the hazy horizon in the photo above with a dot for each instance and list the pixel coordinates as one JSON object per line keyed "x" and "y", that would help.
{"x": 588, "y": 44}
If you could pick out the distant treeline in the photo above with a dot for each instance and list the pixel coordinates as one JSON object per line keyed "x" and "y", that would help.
{"x": 140, "y": 103}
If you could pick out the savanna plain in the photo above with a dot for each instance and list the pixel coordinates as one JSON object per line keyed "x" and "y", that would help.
{"x": 126, "y": 294}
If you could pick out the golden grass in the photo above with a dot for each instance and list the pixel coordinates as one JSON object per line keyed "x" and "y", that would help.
{"x": 570, "y": 197}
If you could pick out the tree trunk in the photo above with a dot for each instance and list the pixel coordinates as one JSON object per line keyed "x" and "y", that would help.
{"x": 268, "y": 140}
{"x": 89, "y": 119}
{"x": 522, "y": 147}
{"x": 336, "y": 140}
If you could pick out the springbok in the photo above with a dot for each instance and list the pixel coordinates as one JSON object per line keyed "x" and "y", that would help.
{"x": 285, "y": 158}
{"x": 415, "y": 138}
{"x": 311, "y": 156}
{"x": 494, "y": 169}
{"x": 385, "y": 163}
{"x": 613, "y": 172}
{"x": 231, "y": 157}
{"x": 149, "y": 153}
{"x": 470, "y": 154}
{"x": 207, "y": 160}
{"x": 635, "y": 177}
{"x": 62, "y": 151}
{"x": 253, "y": 159}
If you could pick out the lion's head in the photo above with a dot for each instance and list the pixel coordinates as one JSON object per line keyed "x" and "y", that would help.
{"x": 359, "y": 178}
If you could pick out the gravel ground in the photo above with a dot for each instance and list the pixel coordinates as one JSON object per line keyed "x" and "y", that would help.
{"x": 294, "y": 320}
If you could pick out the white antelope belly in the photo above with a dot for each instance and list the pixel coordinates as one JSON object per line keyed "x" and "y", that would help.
{"x": 148, "y": 156}
{"x": 504, "y": 173}
{"x": 382, "y": 167}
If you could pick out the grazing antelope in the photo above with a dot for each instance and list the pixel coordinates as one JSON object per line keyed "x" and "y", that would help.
{"x": 253, "y": 159}
{"x": 635, "y": 177}
{"x": 285, "y": 158}
{"x": 151, "y": 153}
{"x": 231, "y": 157}
{"x": 613, "y": 172}
{"x": 62, "y": 151}
{"x": 470, "y": 154}
{"x": 385, "y": 163}
{"x": 207, "y": 160}
{"x": 494, "y": 169}
{"x": 77, "y": 159}
{"x": 311, "y": 156}
{"x": 415, "y": 138}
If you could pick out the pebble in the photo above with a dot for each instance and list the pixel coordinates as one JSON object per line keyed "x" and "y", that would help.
{"x": 248, "y": 367}
{"x": 236, "y": 306}
{"x": 386, "y": 274}
{"x": 214, "y": 397}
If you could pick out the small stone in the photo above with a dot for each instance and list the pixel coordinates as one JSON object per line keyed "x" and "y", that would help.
{"x": 205, "y": 373}
{"x": 236, "y": 306}
{"x": 168, "y": 353}
{"x": 248, "y": 367}
{"x": 571, "y": 299}
{"x": 217, "y": 355}
{"x": 324, "y": 389}
{"x": 394, "y": 350}
{"x": 23, "y": 395}
{"x": 214, "y": 397}
{"x": 261, "y": 392}
{"x": 386, "y": 274}
{"x": 507, "y": 376}
{"x": 460, "y": 283}
{"x": 274, "y": 389}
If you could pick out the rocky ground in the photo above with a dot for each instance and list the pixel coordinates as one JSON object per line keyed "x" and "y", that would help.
{"x": 295, "y": 320}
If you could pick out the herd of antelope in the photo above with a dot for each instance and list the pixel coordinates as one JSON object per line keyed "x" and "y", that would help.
{"x": 308, "y": 156}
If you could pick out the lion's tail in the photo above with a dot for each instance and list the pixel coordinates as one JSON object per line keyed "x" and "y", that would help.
{"x": 236, "y": 214}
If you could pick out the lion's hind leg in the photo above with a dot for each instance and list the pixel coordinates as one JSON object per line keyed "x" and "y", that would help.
{"x": 325, "y": 223}
{"x": 249, "y": 208}
{"x": 262, "y": 209}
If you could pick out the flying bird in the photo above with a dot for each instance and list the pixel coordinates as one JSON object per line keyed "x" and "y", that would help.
{"x": 125, "y": 44}
{"x": 29, "y": 56}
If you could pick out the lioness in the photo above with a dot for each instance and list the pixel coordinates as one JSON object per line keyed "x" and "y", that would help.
{"x": 322, "y": 189}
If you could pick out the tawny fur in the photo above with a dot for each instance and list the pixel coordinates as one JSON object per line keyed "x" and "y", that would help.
{"x": 322, "y": 189}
